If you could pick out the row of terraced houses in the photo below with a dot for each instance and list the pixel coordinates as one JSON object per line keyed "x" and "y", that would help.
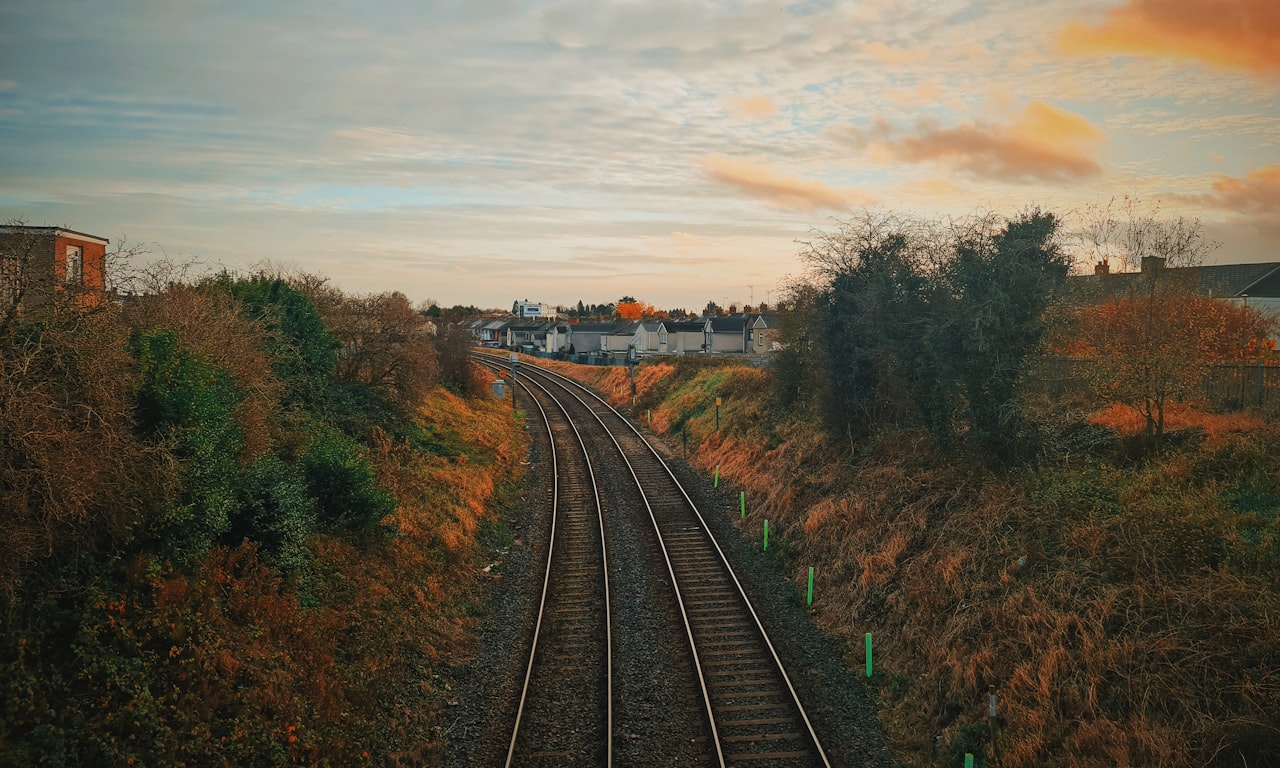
{"x": 744, "y": 334}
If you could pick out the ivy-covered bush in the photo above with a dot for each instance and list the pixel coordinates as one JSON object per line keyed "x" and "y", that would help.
{"x": 341, "y": 479}
{"x": 188, "y": 400}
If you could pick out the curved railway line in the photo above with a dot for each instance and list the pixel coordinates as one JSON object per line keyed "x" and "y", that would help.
{"x": 565, "y": 713}
{"x": 747, "y": 704}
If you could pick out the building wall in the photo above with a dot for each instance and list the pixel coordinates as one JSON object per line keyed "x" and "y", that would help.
{"x": 726, "y": 342}
{"x": 685, "y": 342}
{"x": 42, "y": 252}
{"x": 93, "y": 254}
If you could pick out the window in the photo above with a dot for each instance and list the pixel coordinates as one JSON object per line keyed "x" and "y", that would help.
{"x": 75, "y": 265}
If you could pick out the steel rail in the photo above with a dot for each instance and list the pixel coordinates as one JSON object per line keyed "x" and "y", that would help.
{"x": 546, "y": 582}
{"x": 724, "y": 561}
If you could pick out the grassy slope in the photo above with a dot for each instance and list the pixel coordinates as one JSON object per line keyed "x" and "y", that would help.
{"x": 226, "y": 663}
{"x": 1125, "y": 615}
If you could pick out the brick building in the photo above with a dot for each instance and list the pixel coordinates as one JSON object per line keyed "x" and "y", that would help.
{"x": 38, "y": 264}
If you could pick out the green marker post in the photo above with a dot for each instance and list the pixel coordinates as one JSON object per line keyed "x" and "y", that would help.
{"x": 766, "y": 534}
{"x": 742, "y": 504}
{"x": 868, "y": 654}
{"x": 809, "y": 601}
{"x": 717, "y": 481}
{"x": 650, "y": 414}
{"x": 968, "y": 760}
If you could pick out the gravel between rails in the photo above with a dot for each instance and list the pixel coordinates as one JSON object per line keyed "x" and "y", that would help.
{"x": 652, "y": 727}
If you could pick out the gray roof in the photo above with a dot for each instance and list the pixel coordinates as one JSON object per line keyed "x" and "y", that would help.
{"x": 728, "y": 323}
{"x": 1220, "y": 280}
{"x": 626, "y": 329}
{"x": 592, "y": 327}
{"x": 685, "y": 326}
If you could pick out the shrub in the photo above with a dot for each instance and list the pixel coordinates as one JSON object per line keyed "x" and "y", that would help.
{"x": 275, "y": 511}
{"x": 341, "y": 479}
{"x": 190, "y": 401}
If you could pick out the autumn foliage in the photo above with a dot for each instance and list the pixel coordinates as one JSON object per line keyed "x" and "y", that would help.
{"x": 634, "y": 310}
{"x": 238, "y": 527}
{"x": 1124, "y": 614}
{"x": 1151, "y": 351}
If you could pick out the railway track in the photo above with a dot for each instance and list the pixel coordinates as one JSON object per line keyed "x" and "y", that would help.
{"x": 565, "y": 712}
{"x": 750, "y": 708}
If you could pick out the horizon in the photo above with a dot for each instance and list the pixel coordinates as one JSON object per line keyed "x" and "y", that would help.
{"x": 671, "y": 151}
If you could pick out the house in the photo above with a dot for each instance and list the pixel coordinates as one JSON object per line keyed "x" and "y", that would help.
{"x": 586, "y": 337}
{"x": 528, "y": 309}
{"x": 764, "y": 334}
{"x": 528, "y": 334}
{"x": 557, "y": 337}
{"x": 683, "y": 337}
{"x": 621, "y": 339}
{"x": 649, "y": 335}
{"x": 726, "y": 333}
{"x": 39, "y": 264}
{"x": 1258, "y": 284}
{"x": 489, "y": 331}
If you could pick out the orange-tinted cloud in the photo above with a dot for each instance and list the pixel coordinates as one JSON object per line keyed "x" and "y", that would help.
{"x": 1230, "y": 34}
{"x": 932, "y": 187}
{"x": 752, "y": 107}
{"x": 1255, "y": 194}
{"x": 924, "y": 93}
{"x": 780, "y": 189}
{"x": 1043, "y": 143}
{"x": 895, "y": 56}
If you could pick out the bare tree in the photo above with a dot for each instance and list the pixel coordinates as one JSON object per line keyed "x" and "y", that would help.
{"x": 19, "y": 249}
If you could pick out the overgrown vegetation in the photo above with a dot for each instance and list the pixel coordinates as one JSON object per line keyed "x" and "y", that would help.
{"x": 239, "y": 519}
{"x": 912, "y": 321}
{"x": 1119, "y": 595}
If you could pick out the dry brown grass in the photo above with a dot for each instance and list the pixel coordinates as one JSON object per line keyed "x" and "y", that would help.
{"x": 1217, "y": 426}
{"x": 1116, "y": 633}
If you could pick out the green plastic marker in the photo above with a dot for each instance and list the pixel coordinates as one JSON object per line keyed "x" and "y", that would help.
{"x": 717, "y": 482}
{"x": 742, "y": 503}
{"x": 766, "y": 534}
{"x": 650, "y": 413}
{"x": 868, "y": 654}
{"x": 810, "y": 599}
{"x": 968, "y": 760}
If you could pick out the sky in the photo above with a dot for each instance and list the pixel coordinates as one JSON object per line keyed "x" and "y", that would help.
{"x": 482, "y": 151}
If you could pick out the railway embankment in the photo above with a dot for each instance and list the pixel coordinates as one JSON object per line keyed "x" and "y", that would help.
{"x": 1120, "y": 609}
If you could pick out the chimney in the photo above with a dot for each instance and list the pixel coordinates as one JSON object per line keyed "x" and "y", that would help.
{"x": 1152, "y": 264}
{"x": 1102, "y": 268}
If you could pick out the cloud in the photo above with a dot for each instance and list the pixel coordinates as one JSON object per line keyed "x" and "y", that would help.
{"x": 1044, "y": 143}
{"x": 1227, "y": 34}
{"x": 780, "y": 189}
{"x": 1254, "y": 194}
{"x": 752, "y": 107}
{"x": 924, "y": 93}
{"x": 931, "y": 187}
{"x": 895, "y": 56}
